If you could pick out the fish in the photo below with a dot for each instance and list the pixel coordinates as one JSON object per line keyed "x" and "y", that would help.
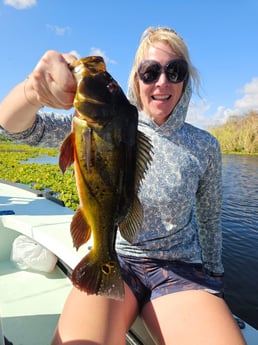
{"x": 111, "y": 157}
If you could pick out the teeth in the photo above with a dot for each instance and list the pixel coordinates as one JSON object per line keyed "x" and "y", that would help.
{"x": 161, "y": 97}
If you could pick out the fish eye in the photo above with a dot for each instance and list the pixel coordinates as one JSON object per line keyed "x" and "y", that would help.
{"x": 112, "y": 86}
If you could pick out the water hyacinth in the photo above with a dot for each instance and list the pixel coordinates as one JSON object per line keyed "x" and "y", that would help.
{"x": 14, "y": 168}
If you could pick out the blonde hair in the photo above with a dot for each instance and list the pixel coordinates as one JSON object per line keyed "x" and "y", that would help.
{"x": 149, "y": 37}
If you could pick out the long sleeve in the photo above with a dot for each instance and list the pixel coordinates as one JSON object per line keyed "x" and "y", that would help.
{"x": 48, "y": 130}
{"x": 208, "y": 211}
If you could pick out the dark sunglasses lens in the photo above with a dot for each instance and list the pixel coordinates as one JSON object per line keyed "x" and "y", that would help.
{"x": 149, "y": 71}
{"x": 176, "y": 71}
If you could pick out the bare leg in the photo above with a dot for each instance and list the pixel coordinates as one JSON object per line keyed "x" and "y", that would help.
{"x": 95, "y": 320}
{"x": 191, "y": 317}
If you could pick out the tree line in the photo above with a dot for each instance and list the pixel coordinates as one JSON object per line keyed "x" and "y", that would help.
{"x": 239, "y": 134}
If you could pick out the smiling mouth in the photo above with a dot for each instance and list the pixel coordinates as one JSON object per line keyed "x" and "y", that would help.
{"x": 161, "y": 98}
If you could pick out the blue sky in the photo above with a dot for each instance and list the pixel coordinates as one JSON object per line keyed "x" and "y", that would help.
{"x": 222, "y": 37}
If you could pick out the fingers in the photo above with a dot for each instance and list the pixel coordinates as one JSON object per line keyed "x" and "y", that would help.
{"x": 52, "y": 80}
{"x": 70, "y": 57}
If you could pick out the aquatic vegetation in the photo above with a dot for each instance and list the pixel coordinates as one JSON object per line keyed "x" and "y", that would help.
{"x": 239, "y": 134}
{"x": 38, "y": 176}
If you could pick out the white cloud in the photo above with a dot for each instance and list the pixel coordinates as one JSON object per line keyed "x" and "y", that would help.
{"x": 197, "y": 114}
{"x": 99, "y": 52}
{"x": 250, "y": 99}
{"x": 20, "y": 4}
{"x": 59, "y": 31}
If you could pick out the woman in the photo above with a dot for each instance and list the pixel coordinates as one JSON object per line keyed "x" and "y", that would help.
{"x": 173, "y": 271}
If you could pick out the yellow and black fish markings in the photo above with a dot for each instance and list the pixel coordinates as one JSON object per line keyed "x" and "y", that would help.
{"x": 110, "y": 159}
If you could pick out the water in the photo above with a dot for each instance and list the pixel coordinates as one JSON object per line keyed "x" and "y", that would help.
{"x": 240, "y": 233}
{"x": 44, "y": 159}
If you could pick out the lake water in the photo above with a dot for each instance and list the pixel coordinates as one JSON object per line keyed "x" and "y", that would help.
{"x": 240, "y": 233}
{"x": 44, "y": 159}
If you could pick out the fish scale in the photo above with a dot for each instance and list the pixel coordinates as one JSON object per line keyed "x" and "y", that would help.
{"x": 110, "y": 159}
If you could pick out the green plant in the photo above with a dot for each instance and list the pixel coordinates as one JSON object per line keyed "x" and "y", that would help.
{"x": 239, "y": 134}
{"x": 13, "y": 167}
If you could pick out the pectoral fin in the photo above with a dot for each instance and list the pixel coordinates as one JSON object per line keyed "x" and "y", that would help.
{"x": 66, "y": 157}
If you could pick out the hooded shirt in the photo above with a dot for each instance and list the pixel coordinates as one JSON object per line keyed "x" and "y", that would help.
{"x": 181, "y": 193}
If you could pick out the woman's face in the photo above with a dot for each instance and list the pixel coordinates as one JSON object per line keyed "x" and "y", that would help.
{"x": 159, "y": 98}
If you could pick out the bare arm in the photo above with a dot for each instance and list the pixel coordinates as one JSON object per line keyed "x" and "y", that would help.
{"x": 51, "y": 83}
{"x": 16, "y": 114}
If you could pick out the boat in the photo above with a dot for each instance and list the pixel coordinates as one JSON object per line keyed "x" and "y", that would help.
{"x": 31, "y": 300}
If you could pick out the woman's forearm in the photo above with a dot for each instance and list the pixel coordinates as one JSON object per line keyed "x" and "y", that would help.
{"x": 18, "y": 109}
{"x": 51, "y": 83}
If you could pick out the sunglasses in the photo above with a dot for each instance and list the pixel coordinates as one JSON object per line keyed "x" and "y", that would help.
{"x": 176, "y": 71}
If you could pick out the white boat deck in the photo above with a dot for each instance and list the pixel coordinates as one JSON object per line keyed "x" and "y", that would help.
{"x": 26, "y": 302}
{"x": 30, "y": 302}
{"x": 28, "y": 314}
{"x": 39, "y": 219}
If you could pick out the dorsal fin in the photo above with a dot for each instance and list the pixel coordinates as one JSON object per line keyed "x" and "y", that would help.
{"x": 143, "y": 158}
{"x": 130, "y": 225}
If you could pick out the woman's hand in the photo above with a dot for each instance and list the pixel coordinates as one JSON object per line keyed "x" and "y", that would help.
{"x": 51, "y": 83}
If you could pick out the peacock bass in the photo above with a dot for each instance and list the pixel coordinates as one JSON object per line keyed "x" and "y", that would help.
{"x": 110, "y": 159}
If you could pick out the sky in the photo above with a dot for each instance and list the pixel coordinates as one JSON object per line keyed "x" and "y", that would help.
{"x": 221, "y": 35}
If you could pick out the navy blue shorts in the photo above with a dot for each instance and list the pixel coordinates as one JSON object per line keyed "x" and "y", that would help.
{"x": 152, "y": 278}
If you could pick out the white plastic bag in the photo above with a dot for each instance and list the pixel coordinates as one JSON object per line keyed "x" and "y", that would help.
{"x": 28, "y": 254}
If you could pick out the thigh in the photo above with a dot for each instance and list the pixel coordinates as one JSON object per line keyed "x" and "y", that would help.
{"x": 193, "y": 317}
{"x": 91, "y": 319}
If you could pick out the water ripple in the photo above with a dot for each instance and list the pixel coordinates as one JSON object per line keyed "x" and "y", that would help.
{"x": 240, "y": 234}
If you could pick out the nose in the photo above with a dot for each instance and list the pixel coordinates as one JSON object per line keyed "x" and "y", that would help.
{"x": 162, "y": 78}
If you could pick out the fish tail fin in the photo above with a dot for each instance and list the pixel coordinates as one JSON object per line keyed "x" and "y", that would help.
{"x": 97, "y": 276}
